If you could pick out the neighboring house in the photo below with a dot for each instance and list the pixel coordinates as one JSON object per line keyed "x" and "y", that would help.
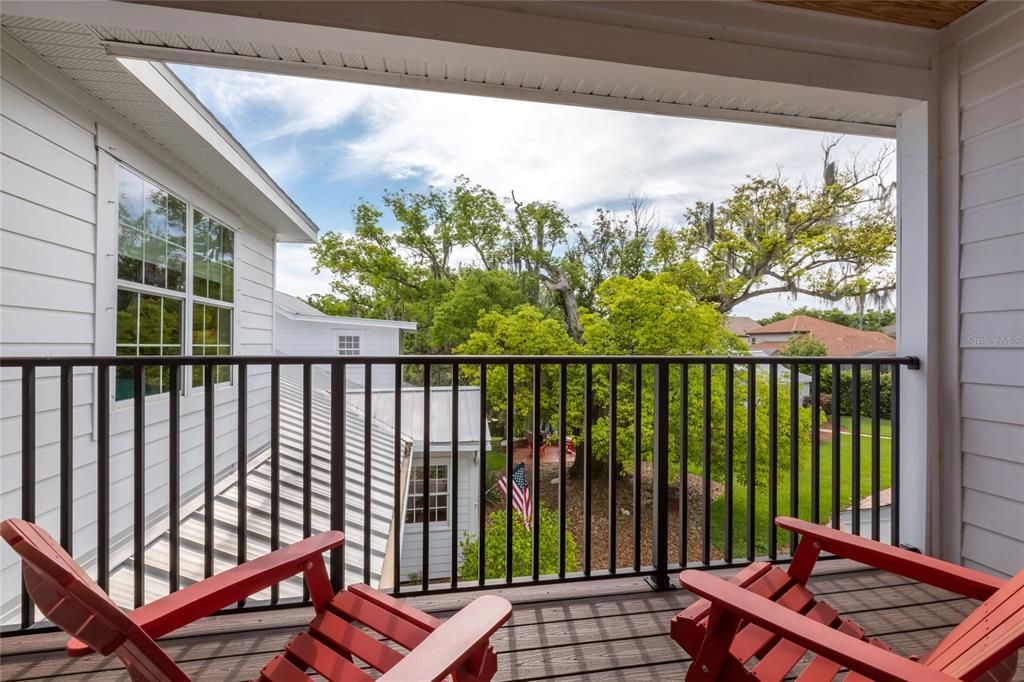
{"x": 741, "y": 326}
{"x": 301, "y": 329}
{"x": 133, "y": 224}
{"x": 443, "y": 485}
{"x": 840, "y": 340}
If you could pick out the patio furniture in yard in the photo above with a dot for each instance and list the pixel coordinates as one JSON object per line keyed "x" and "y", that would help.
{"x": 340, "y": 633}
{"x": 767, "y": 618}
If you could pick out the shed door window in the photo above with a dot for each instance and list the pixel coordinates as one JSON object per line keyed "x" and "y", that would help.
{"x": 437, "y": 498}
{"x": 348, "y": 344}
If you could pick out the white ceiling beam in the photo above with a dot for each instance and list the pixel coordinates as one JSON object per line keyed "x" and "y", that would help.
{"x": 493, "y": 39}
{"x": 397, "y": 80}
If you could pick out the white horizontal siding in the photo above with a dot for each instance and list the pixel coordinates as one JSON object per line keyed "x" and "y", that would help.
{"x": 992, "y": 293}
{"x": 995, "y": 366}
{"x": 49, "y": 231}
{"x": 998, "y": 440}
{"x": 990, "y": 66}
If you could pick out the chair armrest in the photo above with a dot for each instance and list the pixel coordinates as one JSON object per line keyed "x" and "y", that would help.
{"x": 857, "y": 655}
{"x": 458, "y": 638}
{"x": 948, "y": 576}
{"x": 208, "y": 596}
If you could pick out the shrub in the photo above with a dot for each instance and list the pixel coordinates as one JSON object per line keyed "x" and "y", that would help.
{"x": 846, "y": 393}
{"x": 522, "y": 547}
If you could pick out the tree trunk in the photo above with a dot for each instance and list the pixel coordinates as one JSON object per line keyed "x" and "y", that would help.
{"x": 558, "y": 283}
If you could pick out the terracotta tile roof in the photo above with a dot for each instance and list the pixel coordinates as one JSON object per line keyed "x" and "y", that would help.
{"x": 839, "y": 339}
{"x": 741, "y": 326}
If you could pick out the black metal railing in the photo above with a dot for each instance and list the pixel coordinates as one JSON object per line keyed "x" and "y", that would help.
{"x": 727, "y": 436}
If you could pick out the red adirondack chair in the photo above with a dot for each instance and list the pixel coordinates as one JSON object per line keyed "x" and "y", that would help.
{"x": 457, "y": 647}
{"x": 765, "y": 617}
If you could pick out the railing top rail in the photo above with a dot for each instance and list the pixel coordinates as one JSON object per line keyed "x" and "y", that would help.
{"x": 202, "y": 360}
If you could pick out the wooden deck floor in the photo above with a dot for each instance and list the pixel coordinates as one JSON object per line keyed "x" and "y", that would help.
{"x": 603, "y": 630}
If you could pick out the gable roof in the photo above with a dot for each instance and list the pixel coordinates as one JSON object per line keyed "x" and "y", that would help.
{"x": 841, "y": 341}
{"x": 159, "y": 106}
{"x": 413, "y": 400}
{"x": 741, "y": 326}
{"x": 296, "y": 309}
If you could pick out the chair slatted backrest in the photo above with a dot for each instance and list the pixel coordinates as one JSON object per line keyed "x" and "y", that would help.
{"x": 986, "y": 643}
{"x": 70, "y": 599}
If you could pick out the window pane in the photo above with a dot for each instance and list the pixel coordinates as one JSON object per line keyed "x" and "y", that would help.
{"x": 224, "y": 327}
{"x": 211, "y": 335}
{"x": 176, "y": 268}
{"x": 151, "y": 236}
{"x": 176, "y": 220}
{"x": 129, "y": 254}
{"x": 151, "y": 313}
{"x": 155, "y": 262}
{"x": 213, "y": 278}
{"x": 127, "y": 318}
{"x": 227, "y": 286}
{"x": 200, "y": 226}
{"x": 227, "y": 250}
{"x": 156, "y": 211}
{"x": 213, "y": 257}
{"x": 171, "y": 324}
{"x": 437, "y": 510}
{"x": 147, "y": 325}
{"x": 129, "y": 198}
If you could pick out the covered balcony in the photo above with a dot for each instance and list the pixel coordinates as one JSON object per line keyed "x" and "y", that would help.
{"x": 156, "y": 471}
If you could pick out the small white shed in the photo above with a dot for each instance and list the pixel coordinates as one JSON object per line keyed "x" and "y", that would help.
{"x": 301, "y": 329}
{"x": 444, "y": 486}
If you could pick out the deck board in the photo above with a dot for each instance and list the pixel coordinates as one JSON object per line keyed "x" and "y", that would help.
{"x": 610, "y": 629}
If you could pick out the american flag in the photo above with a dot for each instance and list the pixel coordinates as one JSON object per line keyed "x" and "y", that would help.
{"x": 520, "y": 493}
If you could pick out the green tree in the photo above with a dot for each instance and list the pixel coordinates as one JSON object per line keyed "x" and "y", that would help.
{"x": 522, "y": 547}
{"x": 834, "y": 240}
{"x": 525, "y": 331}
{"x": 475, "y": 293}
{"x": 804, "y": 346}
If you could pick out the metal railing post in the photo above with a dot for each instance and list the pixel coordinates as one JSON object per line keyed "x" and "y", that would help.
{"x": 659, "y": 529}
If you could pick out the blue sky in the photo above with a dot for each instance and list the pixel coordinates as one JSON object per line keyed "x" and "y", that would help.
{"x": 331, "y": 144}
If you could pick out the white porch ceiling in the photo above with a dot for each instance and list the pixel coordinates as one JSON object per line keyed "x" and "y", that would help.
{"x": 83, "y": 50}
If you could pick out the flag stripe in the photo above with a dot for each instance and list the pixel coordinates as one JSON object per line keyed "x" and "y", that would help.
{"x": 521, "y": 500}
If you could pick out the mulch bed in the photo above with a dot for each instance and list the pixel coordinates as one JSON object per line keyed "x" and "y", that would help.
{"x": 625, "y": 518}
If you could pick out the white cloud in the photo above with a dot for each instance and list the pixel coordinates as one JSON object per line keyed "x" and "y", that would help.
{"x": 295, "y": 274}
{"x": 582, "y": 158}
{"x": 287, "y": 105}
{"x": 577, "y": 156}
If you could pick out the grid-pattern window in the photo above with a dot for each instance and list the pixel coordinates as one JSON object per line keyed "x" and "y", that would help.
{"x": 211, "y": 335}
{"x": 348, "y": 344}
{"x": 151, "y": 234}
{"x": 147, "y": 324}
{"x": 437, "y": 498}
{"x": 155, "y": 288}
{"x": 213, "y": 258}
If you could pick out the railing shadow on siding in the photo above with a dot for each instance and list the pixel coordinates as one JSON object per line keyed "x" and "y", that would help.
{"x": 735, "y": 440}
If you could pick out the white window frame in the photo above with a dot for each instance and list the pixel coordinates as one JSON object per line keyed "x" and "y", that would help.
{"x": 187, "y": 297}
{"x": 339, "y": 334}
{"x": 448, "y": 495}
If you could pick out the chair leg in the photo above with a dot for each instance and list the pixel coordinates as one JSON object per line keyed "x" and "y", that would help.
{"x": 319, "y": 583}
{"x": 804, "y": 560}
{"x": 713, "y": 661}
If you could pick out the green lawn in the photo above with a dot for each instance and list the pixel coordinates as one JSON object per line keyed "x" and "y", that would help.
{"x": 761, "y": 501}
{"x": 495, "y": 461}
{"x": 865, "y": 425}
